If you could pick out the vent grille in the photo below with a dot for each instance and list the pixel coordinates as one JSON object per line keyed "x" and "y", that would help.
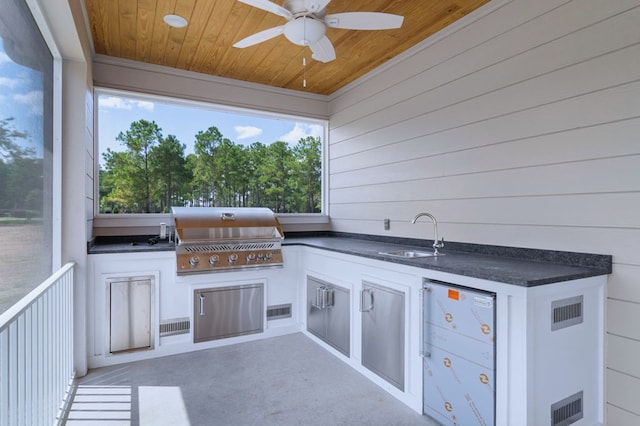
{"x": 174, "y": 326}
{"x": 567, "y": 411}
{"x": 278, "y": 312}
{"x": 230, "y": 247}
{"x": 566, "y": 312}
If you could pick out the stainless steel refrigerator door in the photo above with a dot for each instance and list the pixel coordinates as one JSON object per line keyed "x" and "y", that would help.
{"x": 383, "y": 332}
{"x": 129, "y": 314}
{"x": 459, "y": 347}
{"x": 228, "y": 311}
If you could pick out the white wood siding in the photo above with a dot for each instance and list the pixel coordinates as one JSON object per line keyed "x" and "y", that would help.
{"x": 520, "y": 129}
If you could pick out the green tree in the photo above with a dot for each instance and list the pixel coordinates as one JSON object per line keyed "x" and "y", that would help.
{"x": 21, "y": 172}
{"x": 197, "y": 190}
{"x": 204, "y": 167}
{"x": 307, "y": 174}
{"x": 9, "y": 148}
{"x": 275, "y": 172}
{"x": 25, "y": 176}
{"x": 229, "y": 172}
{"x": 256, "y": 155}
{"x": 139, "y": 140}
{"x": 117, "y": 185}
{"x": 169, "y": 172}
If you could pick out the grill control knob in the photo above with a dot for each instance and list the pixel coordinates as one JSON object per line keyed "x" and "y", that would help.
{"x": 260, "y": 256}
{"x": 214, "y": 259}
{"x": 233, "y": 258}
{"x": 194, "y": 260}
{"x": 267, "y": 256}
{"x": 251, "y": 257}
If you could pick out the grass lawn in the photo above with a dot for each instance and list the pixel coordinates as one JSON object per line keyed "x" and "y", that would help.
{"x": 22, "y": 263}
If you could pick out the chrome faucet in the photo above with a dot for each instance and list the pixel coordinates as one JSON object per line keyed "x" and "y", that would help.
{"x": 437, "y": 243}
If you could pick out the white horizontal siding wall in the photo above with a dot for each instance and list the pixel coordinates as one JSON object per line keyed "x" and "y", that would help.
{"x": 520, "y": 129}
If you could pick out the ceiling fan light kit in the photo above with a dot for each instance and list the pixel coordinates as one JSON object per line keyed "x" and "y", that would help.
{"x": 304, "y": 31}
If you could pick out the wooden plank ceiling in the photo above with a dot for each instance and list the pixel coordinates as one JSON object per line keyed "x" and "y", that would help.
{"x": 134, "y": 29}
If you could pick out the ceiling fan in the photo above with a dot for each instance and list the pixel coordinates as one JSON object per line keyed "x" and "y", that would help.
{"x": 308, "y": 23}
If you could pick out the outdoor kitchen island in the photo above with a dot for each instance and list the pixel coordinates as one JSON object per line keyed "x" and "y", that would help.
{"x": 536, "y": 367}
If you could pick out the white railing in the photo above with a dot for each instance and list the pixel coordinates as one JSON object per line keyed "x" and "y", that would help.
{"x": 36, "y": 353}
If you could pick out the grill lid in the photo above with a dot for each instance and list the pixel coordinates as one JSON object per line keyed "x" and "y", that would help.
{"x": 226, "y": 238}
{"x": 202, "y": 224}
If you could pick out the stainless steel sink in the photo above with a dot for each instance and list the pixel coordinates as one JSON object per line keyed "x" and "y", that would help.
{"x": 407, "y": 253}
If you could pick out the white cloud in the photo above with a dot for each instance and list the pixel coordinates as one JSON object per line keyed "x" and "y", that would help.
{"x": 34, "y": 99}
{"x": 120, "y": 103}
{"x": 246, "y": 132}
{"x": 9, "y": 82}
{"x": 301, "y": 131}
{"x": 145, "y": 105}
{"x": 4, "y": 58}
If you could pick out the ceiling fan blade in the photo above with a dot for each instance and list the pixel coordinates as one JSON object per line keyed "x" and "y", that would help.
{"x": 323, "y": 50}
{"x": 364, "y": 21}
{"x": 314, "y": 6}
{"x": 256, "y": 38}
{"x": 269, "y": 7}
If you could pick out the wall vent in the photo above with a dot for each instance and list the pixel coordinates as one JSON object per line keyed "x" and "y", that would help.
{"x": 174, "y": 326}
{"x": 566, "y": 312}
{"x": 278, "y": 312}
{"x": 567, "y": 411}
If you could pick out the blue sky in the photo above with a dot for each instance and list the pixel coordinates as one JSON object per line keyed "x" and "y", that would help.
{"x": 21, "y": 98}
{"x": 116, "y": 113}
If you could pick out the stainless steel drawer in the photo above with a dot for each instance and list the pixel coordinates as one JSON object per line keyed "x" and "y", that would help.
{"x": 228, "y": 311}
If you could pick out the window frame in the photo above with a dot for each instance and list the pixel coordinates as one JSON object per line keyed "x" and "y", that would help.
{"x": 140, "y": 221}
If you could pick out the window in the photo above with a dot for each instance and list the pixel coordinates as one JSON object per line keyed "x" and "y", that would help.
{"x": 157, "y": 152}
{"x": 26, "y": 159}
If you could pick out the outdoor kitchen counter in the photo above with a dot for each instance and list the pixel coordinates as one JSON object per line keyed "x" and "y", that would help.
{"x": 511, "y": 265}
{"x": 518, "y": 266}
{"x": 129, "y": 244}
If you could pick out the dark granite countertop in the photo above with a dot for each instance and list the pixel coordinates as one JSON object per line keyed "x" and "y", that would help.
{"x": 129, "y": 244}
{"x": 511, "y": 265}
{"x": 523, "y": 267}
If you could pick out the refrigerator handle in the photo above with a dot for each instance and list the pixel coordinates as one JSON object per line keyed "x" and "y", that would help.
{"x": 328, "y": 297}
{"x": 201, "y": 304}
{"x": 362, "y": 293}
{"x": 319, "y": 303}
{"x": 425, "y": 329}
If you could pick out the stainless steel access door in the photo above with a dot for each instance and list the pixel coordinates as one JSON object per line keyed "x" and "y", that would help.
{"x": 130, "y": 310}
{"x": 228, "y": 311}
{"x": 329, "y": 313}
{"x": 383, "y": 332}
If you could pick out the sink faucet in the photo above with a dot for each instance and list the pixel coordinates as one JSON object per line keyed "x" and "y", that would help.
{"x": 437, "y": 243}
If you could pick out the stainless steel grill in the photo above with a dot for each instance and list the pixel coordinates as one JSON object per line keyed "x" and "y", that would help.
{"x": 210, "y": 239}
